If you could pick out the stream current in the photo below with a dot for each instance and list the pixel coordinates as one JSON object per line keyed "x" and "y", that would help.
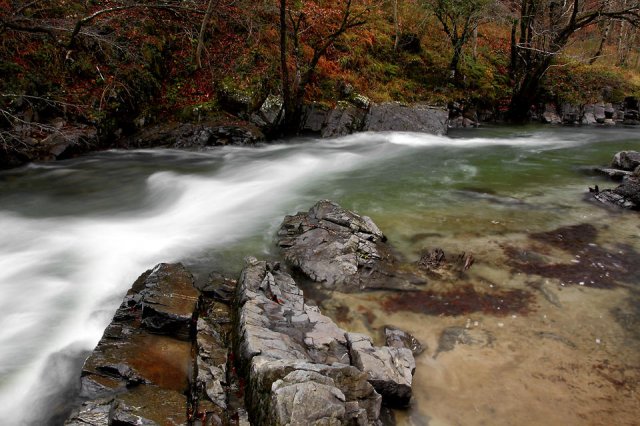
{"x": 75, "y": 234}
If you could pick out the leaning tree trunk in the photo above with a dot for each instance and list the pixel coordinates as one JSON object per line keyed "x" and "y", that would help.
{"x": 526, "y": 93}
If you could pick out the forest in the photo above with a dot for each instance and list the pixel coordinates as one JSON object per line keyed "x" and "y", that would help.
{"x": 119, "y": 65}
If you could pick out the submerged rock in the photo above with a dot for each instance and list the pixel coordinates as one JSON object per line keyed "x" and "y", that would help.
{"x": 453, "y": 336}
{"x": 299, "y": 363}
{"x": 396, "y": 338}
{"x": 338, "y": 248}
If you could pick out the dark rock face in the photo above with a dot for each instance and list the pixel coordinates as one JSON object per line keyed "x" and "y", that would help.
{"x": 139, "y": 372}
{"x": 398, "y": 117}
{"x": 65, "y": 142}
{"x": 194, "y": 135}
{"x": 337, "y": 248}
{"x": 299, "y": 363}
{"x": 626, "y": 195}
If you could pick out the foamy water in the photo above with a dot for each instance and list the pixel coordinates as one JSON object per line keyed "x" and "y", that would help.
{"x": 75, "y": 235}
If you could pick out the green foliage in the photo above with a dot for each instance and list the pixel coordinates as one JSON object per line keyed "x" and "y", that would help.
{"x": 578, "y": 83}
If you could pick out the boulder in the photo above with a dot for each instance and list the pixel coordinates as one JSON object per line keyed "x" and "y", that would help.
{"x": 337, "y": 248}
{"x": 626, "y": 160}
{"x": 599, "y": 111}
{"x": 550, "y": 115}
{"x": 344, "y": 119}
{"x": 394, "y": 116}
{"x": 570, "y": 113}
{"x": 297, "y": 360}
{"x": 314, "y": 117}
{"x": 270, "y": 113}
{"x": 589, "y": 115}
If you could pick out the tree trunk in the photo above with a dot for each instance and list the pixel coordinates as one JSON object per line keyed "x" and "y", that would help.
{"x": 203, "y": 29}
{"x": 396, "y": 25}
{"x": 286, "y": 89}
{"x": 454, "y": 66}
{"x": 525, "y": 95}
{"x": 603, "y": 40}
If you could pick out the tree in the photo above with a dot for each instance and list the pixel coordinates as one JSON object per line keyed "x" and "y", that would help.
{"x": 312, "y": 27}
{"x": 545, "y": 28}
{"x": 459, "y": 19}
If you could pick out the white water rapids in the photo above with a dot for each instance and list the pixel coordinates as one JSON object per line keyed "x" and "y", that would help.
{"x": 63, "y": 272}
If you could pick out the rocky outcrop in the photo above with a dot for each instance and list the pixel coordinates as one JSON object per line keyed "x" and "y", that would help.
{"x": 625, "y": 166}
{"x": 338, "y": 248}
{"x": 139, "y": 372}
{"x": 64, "y": 141}
{"x": 194, "y": 135}
{"x": 302, "y": 368}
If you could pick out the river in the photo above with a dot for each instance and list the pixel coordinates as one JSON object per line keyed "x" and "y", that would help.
{"x": 75, "y": 234}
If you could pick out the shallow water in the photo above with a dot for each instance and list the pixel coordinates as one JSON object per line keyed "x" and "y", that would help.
{"x": 75, "y": 234}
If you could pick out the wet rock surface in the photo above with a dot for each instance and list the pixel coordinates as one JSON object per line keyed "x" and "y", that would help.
{"x": 139, "y": 372}
{"x": 338, "y": 248}
{"x": 290, "y": 351}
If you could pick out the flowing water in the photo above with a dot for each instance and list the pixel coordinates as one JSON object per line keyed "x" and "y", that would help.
{"x": 75, "y": 234}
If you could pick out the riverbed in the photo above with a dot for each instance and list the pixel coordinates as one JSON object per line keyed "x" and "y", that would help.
{"x": 75, "y": 234}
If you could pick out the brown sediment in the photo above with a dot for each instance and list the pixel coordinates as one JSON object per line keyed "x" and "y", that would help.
{"x": 368, "y": 315}
{"x": 342, "y": 314}
{"x": 463, "y": 300}
{"x": 592, "y": 265}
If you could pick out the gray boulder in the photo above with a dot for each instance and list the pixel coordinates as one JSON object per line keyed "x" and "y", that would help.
{"x": 626, "y": 160}
{"x": 269, "y": 115}
{"x": 344, "y": 119}
{"x": 550, "y": 115}
{"x": 394, "y": 116}
{"x": 337, "y": 248}
{"x": 599, "y": 112}
{"x": 589, "y": 115}
{"x": 314, "y": 117}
